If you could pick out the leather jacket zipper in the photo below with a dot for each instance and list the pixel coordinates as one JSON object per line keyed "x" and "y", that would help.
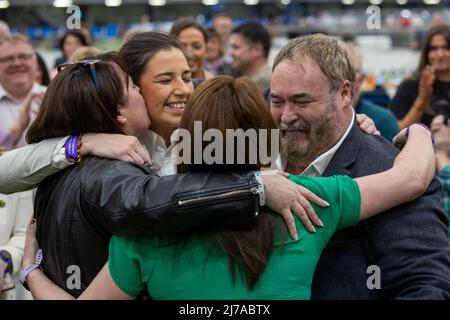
{"x": 253, "y": 190}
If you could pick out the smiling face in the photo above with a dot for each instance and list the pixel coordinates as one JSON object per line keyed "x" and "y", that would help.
{"x": 166, "y": 85}
{"x": 213, "y": 48}
{"x": 307, "y": 114}
{"x": 17, "y": 67}
{"x": 241, "y": 52}
{"x": 135, "y": 111}
{"x": 71, "y": 43}
{"x": 194, "y": 43}
{"x": 439, "y": 53}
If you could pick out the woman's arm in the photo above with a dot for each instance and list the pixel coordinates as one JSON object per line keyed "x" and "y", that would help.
{"x": 102, "y": 287}
{"x": 40, "y": 286}
{"x": 415, "y": 113}
{"x": 409, "y": 177}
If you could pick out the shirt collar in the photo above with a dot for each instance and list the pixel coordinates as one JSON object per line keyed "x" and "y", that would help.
{"x": 319, "y": 165}
{"x": 161, "y": 155}
{"x": 3, "y": 93}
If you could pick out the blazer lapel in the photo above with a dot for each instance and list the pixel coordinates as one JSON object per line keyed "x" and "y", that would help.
{"x": 347, "y": 153}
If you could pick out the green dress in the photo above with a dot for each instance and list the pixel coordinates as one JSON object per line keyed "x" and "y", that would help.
{"x": 200, "y": 271}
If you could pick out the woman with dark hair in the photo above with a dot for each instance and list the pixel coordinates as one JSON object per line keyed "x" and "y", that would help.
{"x": 427, "y": 94}
{"x": 42, "y": 75}
{"x": 250, "y": 263}
{"x": 194, "y": 38}
{"x": 214, "y": 59}
{"x": 70, "y": 41}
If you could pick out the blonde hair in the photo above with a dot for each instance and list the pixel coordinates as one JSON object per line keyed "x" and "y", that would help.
{"x": 354, "y": 55}
{"x": 329, "y": 54}
{"x": 83, "y": 53}
{"x": 14, "y": 37}
{"x": 4, "y": 29}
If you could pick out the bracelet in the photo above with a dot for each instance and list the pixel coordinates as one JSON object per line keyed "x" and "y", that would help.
{"x": 79, "y": 144}
{"x": 261, "y": 189}
{"x": 71, "y": 148}
{"x": 26, "y": 271}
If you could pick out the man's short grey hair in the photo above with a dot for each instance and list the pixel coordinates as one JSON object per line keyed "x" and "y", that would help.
{"x": 329, "y": 54}
{"x": 14, "y": 37}
{"x": 4, "y": 29}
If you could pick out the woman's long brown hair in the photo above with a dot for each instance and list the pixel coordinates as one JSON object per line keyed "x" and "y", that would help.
{"x": 227, "y": 103}
{"x": 443, "y": 30}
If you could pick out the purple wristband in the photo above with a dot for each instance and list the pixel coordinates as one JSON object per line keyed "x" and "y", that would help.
{"x": 71, "y": 148}
{"x": 25, "y": 271}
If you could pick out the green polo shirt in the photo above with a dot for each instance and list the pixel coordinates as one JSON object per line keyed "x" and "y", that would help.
{"x": 200, "y": 271}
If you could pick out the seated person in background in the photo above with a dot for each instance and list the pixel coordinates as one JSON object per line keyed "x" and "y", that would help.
{"x": 16, "y": 53}
{"x": 384, "y": 119}
{"x": 42, "y": 74}
{"x": 70, "y": 41}
{"x": 249, "y": 263}
{"x": 426, "y": 95}
{"x": 214, "y": 59}
{"x": 441, "y": 135}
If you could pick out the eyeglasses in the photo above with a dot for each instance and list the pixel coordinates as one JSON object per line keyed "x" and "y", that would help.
{"x": 91, "y": 63}
{"x": 21, "y": 57}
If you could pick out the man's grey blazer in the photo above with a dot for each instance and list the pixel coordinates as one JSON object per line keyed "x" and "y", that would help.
{"x": 408, "y": 243}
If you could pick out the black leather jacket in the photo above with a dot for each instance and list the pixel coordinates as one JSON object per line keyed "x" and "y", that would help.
{"x": 80, "y": 208}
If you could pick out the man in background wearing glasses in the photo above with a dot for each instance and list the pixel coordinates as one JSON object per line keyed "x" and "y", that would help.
{"x": 19, "y": 93}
